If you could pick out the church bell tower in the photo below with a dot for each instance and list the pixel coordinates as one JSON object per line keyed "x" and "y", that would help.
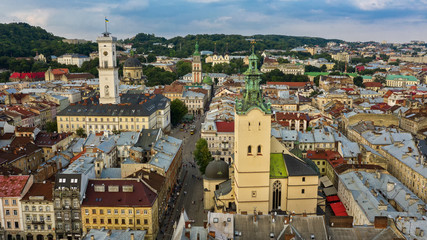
{"x": 108, "y": 70}
{"x": 197, "y": 65}
{"x": 252, "y": 145}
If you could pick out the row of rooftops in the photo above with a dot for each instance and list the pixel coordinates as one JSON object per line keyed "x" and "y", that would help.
{"x": 374, "y": 191}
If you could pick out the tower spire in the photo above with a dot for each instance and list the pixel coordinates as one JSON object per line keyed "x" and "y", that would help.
{"x": 252, "y": 95}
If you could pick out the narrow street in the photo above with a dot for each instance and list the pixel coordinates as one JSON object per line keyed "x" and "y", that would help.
{"x": 190, "y": 196}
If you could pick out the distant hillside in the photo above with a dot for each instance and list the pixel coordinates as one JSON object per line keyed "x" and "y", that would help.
{"x": 184, "y": 46}
{"x": 24, "y": 40}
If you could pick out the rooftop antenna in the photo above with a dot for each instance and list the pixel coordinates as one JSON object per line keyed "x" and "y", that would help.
{"x": 106, "y": 33}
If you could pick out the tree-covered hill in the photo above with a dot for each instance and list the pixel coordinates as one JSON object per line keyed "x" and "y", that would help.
{"x": 24, "y": 40}
{"x": 184, "y": 46}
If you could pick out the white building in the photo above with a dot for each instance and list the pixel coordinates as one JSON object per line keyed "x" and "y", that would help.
{"x": 73, "y": 59}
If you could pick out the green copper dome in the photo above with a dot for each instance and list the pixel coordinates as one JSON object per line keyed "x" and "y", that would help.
{"x": 207, "y": 80}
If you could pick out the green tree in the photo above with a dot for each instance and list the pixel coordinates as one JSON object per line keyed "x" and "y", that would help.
{"x": 81, "y": 132}
{"x": 4, "y": 76}
{"x": 316, "y": 80}
{"x": 323, "y": 68}
{"x": 281, "y": 60}
{"x": 51, "y": 126}
{"x": 182, "y": 68}
{"x": 278, "y": 76}
{"x": 380, "y": 79}
{"x": 358, "y": 81}
{"x": 202, "y": 155}
{"x": 178, "y": 111}
{"x": 310, "y": 68}
{"x": 151, "y": 58}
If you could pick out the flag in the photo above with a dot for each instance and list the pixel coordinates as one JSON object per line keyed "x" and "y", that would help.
{"x": 106, "y": 20}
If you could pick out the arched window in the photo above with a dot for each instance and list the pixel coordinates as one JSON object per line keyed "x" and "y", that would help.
{"x": 259, "y": 126}
{"x": 277, "y": 195}
{"x": 249, "y": 149}
{"x": 259, "y": 150}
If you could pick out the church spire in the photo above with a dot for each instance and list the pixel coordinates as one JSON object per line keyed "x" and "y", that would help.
{"x": 196, "y": 47}
{"x": 252, "y": 94}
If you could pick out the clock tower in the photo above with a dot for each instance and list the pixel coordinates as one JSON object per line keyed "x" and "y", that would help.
{"x": 108, "y": 70}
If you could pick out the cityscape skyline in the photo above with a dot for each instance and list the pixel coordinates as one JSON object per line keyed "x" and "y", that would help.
{"x": 376, "y": 20}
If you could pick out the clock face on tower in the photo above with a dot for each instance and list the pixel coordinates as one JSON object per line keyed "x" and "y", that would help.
{"x": 105, "y": 53}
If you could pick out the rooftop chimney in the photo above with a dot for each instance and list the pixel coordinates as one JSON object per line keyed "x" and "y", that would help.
{"x": 132, "y": 236}
{"x": 92, "y": 237}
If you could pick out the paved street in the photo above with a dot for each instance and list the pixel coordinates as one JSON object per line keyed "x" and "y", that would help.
{"x": 190, "y": 196}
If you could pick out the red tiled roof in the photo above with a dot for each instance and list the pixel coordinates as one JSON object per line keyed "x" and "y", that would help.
{"x": 141, "y": 196}
{"x": 25, "y": 129}
{"x": 40, "y": 189}
{"x": 12, "y": 186}
{"x": 50, "y": 139}
{"x": 372, "y": 84}
{"x": 225, "y": 126}
{"x": 290, "y": 84}
{"x": 60, "y": 71}
{"x": 333, "y": 157}
{"x": 280, "y": 116}
{"x": 77, "y": 156}
{"x": 158, "y": 91}
{"x": 173, "y": 88}
{"x": 381, "y": 106}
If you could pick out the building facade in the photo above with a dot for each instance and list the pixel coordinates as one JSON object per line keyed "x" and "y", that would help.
{"x": 120, "y": 204}
{"x": 12, "y": 190}
{"x": 73, "y": 59}
{"x": 38, "y": 212}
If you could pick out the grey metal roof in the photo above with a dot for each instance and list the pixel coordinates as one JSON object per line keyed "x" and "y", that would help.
{"x": 147, "y": 138}
{"x": 103, "y": 234}
{"x": 132, "y": 62}
{"x": 297, "y": 167}
{"x": 131, "y": 105}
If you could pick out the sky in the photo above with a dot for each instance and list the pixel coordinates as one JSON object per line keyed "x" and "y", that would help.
{"x": 349, "y": 20}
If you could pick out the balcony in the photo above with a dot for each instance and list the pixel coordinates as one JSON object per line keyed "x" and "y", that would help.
{"x": 37, "y": 221}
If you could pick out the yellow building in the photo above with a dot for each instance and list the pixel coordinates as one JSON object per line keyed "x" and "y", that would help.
{"x": 264, "y": 176}
{"x": 120, "y": 204}
{"x": 140, "y": 112}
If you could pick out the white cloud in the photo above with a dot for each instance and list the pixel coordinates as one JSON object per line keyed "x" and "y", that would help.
{"x": 372, "y": 4}
{"x": 38, "y": 17}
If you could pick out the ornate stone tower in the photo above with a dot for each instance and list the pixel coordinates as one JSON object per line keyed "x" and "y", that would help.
{"x": 197, "y": 65}
{"x": 252, "y": 145}
{"x": 108, "y": 70}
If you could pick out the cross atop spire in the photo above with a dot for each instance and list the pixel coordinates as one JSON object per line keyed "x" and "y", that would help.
{"x": 253, "y": 46}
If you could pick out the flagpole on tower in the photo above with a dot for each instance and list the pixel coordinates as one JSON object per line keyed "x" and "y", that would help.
{"x": 106, "y": 33}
